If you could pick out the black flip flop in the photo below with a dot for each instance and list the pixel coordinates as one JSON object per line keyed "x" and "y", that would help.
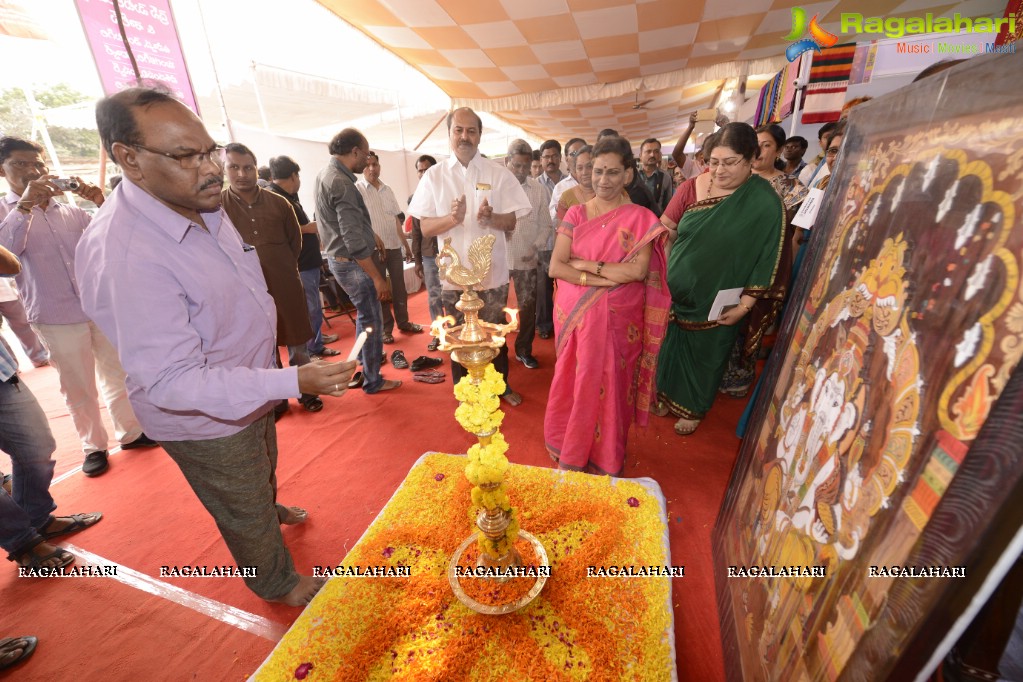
{"x": 357, "y": 380}
{"x": 398, "y": 360}
{"x": 26, "y": 651}
{"x": 35, "y": 562}
{"x": 78, "y": 522}
{"x": 424, "y": 362}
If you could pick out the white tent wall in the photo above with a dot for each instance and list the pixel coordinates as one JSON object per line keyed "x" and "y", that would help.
{"x": 396, "y": 167}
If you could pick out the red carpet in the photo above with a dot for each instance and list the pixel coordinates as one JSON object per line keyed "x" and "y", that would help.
{"x": 341, "y": 464}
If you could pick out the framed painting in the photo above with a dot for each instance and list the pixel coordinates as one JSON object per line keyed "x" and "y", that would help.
{"x": 875, "y": 499}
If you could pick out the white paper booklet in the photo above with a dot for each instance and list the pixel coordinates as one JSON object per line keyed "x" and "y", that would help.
{"x": 726, "y": 298}
{"x": 807, "y": 213}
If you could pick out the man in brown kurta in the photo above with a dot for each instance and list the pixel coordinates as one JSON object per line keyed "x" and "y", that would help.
{"x": 267, "y": 222}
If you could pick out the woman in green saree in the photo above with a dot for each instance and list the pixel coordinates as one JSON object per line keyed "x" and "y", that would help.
{"x": 742, "y": 363}
{"x": 731, "y": 238}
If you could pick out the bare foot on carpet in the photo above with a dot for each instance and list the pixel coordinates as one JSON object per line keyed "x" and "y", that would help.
{"x": 388, "y": 385}
{"x": 303, "y": 592}
{"x": 512, "y": 398}
{"x": 292, "y": 516}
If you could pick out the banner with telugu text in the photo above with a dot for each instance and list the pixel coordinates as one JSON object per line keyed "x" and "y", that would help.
{"x": 152, "y": 37}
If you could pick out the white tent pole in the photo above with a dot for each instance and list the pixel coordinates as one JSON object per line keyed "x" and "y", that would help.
{"x": 439, "y": 121}
{"x": 804, "y": 73}
{"x": 406, "y": 173}
{"x": 401, "y": 126}
{"x": 39, "y": 125}
{"x": 259, "y": 98}
{"x": 216, "y": 76}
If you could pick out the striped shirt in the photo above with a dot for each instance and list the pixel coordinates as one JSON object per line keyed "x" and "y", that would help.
{"x": 383, "y": 207}
{"x": 45, "y": 242}
{"x": 532, "y": 231}
{"x": 8, "y": 364}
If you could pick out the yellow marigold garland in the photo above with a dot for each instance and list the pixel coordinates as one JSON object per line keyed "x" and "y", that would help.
{"x": 479, "y": 413}
{"x": 479, "y": 404}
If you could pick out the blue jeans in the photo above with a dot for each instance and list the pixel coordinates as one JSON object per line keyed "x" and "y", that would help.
{"x": 311, "y": 284}
{"x": 359, "y": 287}
{"x": 25, "y": 436}
{"x": 431, "y": 277}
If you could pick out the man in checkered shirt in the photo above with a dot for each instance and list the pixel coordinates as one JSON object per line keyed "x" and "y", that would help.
{"x": 531, "y": 235}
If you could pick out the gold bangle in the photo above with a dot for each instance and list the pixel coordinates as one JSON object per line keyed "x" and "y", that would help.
{"x": 748, "y": 308}
{"x": 582, "y": 279}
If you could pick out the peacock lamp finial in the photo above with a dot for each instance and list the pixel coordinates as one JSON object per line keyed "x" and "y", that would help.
{"x": 474, "y": 343}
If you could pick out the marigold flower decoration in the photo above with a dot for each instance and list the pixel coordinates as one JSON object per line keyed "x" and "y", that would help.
{"x": 479, "y": 413}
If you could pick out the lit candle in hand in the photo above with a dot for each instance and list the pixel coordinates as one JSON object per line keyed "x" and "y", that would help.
{"x": 359, "y": 342}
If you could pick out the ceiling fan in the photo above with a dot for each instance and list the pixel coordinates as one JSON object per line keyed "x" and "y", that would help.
{"x": 641, "y": 105}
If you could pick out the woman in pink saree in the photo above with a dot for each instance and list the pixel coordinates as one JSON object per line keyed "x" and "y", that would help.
{"x": 610, "y": 312}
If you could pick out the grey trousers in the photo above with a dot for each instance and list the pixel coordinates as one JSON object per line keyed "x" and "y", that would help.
{"x": 545, "y": 294}
{"x": 526, "y": 295}
{"x": 394, "y": 267}
{"x": 235, "y": 478}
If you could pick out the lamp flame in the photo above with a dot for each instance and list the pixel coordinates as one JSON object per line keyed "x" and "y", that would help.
{"x": 513, "y": 315}
{"x": 512, "y": 325}
{"x": 438, "y": 327}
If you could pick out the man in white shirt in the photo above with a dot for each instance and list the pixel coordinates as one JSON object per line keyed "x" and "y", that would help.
{"x": 384, "y": 213}
{"x": 462, "y": 199}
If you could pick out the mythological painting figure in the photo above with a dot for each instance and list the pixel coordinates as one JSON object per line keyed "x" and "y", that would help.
{"x": 825, "y": 484}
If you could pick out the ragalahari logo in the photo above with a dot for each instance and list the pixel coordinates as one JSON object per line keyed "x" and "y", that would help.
{"x": 818, "y": 39}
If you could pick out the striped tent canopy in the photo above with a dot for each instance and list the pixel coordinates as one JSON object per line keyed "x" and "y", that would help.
{"x": 563, "y": 67}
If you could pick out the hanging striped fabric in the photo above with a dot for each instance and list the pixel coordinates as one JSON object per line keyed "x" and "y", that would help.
{"x": 788, "y": 95}
{"x": 829, "y": 80}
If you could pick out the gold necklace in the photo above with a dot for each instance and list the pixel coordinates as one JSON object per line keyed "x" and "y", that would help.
{"x": 604, "y": 223}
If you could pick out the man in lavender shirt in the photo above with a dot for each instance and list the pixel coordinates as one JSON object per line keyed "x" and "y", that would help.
{"x": 167, "y": 277}
{"x": 43, "y": 233}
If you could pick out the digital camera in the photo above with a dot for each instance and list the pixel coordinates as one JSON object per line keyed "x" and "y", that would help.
{"x": 66, "y": 184}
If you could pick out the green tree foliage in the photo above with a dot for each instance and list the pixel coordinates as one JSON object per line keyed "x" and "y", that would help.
{"x": 70, "y": 143}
